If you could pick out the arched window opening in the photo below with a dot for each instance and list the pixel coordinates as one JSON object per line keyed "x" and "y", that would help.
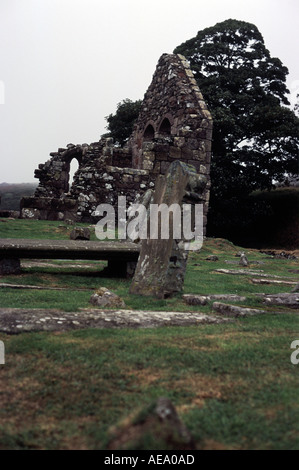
{"x": 74, "y": 166}
{"x": 165, "y": 127}
{"x": 149, "y": 133}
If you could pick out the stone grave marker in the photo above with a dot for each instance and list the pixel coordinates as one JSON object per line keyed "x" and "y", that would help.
{"x": 161, "y": 266}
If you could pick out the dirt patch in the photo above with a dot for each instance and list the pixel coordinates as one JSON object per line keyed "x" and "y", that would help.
{"x": 210, "y": 444}
{"x": 202, "y": 386}
{"x": 205, "y": 387}
{"x": 146, "y": 377}
{"x": 17, "y": 400}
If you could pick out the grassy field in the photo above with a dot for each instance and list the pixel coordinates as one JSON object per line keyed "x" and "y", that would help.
{"x": 233, "y": 385}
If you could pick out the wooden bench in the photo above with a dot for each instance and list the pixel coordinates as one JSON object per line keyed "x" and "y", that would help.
{"x": 121, "y": 256}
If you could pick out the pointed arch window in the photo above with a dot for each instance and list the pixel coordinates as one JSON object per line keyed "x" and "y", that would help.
{"x": 149, "y": 133}
{"x": 165, "y": 127}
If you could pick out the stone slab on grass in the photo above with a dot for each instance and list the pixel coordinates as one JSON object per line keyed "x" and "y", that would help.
{"x": 244, "y": 272}
{"x": 273, "y": 281}
{"x": 283, "y": 299}
{"x": 235, "y": 311}
{"x": 192, "y": 299}
{"x": 18, "y": 320}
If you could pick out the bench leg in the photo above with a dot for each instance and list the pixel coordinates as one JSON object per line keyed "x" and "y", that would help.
{"x": 119, "y": 268}
{"x": 10, "y": 266}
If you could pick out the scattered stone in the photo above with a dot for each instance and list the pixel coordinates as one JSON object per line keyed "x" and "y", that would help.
{"x": 80, "y": 233}
{"x": 103, "y": 297}
{"x": 158, "y": 423}
{"x": 212, "y": 258}
{"x": 296, "y": 288}
{"x": 272, "y": 281}
{"x": 245, "y": 272}
{"x": 243, "y": 260}
{"x": 285, "y": 299}
{"x": 192, "y": 299}
{"x": 234, "y": 311}
{"x": 238, "y": 262}
{"x": 279, "y": 255}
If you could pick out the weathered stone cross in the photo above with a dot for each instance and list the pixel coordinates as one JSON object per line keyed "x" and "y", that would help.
{"x": 161, "y": 266}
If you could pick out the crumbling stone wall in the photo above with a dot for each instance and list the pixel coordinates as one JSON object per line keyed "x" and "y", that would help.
{"x": 98, "y": 180}
{"x": 173, "y": 123}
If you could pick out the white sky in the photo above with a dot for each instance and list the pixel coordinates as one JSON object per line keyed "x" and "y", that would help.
{"x": 65, "y": 64}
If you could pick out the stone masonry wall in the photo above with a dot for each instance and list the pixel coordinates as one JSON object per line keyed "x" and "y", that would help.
{"x": 174, "y": 110}
{"x": 174, "y": 124}
{"x": 102, "y": 177}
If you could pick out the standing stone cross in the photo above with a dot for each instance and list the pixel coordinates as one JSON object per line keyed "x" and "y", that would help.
{"x": 162, "y": 262}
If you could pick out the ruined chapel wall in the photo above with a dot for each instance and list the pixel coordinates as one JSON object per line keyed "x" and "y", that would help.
{"x": 102, "y": 176}
{"x": 174, "y": 96}
{"x": 173, "y": 124}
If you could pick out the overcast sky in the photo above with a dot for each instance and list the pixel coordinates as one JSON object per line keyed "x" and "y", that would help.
{"x": 65, "y": 64}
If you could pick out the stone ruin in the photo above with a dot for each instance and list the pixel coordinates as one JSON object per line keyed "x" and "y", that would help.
{"x": 173, "y": 124}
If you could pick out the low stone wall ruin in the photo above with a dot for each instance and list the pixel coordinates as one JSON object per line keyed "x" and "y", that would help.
{"x": 174, "y": 124}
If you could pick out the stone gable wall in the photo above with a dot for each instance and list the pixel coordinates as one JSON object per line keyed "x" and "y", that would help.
{"x": 173, "y": 96}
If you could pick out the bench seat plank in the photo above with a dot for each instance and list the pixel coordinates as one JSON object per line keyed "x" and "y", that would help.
{"x": 12, "y": 248}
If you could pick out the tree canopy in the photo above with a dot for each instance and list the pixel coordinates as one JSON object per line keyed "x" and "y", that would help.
{"x": 255, "y": 134}
{"x": 120, "y": 125}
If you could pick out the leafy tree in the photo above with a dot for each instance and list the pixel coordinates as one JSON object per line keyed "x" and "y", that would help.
{"x": 255, "y": 136}
{"x": 120, "y": 124}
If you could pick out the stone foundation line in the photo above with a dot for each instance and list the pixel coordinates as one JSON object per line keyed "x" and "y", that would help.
{"x": 17, "y": 320}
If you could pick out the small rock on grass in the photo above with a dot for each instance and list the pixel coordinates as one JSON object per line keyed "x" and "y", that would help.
{"x": 103, "y": 297}
{"x": 243, "y": 260}
{"x": 157, "y": 424}
{"x": 80, "y": 233}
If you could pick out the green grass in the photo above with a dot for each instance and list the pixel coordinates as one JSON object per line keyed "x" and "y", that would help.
{"x": 40, "y": 229}
{"x": 201, "y": 277}
{"x": 233, "y": 385}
